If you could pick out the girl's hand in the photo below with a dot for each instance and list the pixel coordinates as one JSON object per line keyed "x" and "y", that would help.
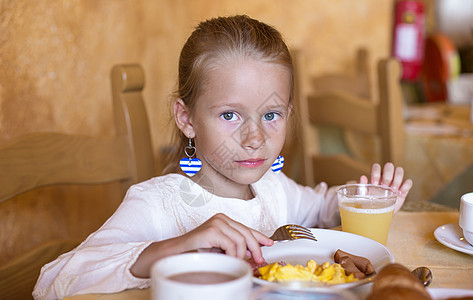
{"x": 392, "y": 177}
{"x": 234, "y": 238}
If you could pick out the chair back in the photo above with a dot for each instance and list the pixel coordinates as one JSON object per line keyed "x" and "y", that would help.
{"x": 358, "y": 83}
{"x": 381, "y": 119}
{"x": 55, "y": 159}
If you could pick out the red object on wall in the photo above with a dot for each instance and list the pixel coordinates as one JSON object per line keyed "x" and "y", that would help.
{"x": 441, "y": 64}
{"x": 409, "y": 36}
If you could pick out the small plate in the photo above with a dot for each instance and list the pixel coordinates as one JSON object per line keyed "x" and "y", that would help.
{"x": 435, "y": 129}
{"x": 449, "y": 293}
{"x": 451, "y": 235}
{"x": 328, "y": 242}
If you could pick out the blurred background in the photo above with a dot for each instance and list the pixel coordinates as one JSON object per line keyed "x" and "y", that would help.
{"x": 56, "y": 58}
{"x": 57, "y": 55}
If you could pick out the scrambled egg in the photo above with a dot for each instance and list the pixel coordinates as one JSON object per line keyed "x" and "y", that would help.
{"x": 326, "y": 273}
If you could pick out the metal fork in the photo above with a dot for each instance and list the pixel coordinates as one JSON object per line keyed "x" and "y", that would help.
{"x": 292, "y": 232}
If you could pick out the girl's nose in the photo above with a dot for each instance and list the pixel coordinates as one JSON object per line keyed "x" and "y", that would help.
{"x": 252, "y": 135}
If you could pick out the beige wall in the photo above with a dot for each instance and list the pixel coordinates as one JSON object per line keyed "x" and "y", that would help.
{"x": 56, "y": 55}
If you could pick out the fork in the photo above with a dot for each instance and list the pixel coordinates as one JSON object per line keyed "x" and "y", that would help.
{"x": 292, "y": 232}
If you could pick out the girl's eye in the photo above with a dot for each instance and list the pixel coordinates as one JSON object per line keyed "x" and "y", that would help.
{"x": 271, "y": 116}
{"x": 229, "y": 116}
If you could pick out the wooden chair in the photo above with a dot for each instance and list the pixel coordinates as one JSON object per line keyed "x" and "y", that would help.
{"x": 45, "y": 159}
{"x": 383, "y": 119}
{"x": 358, "y": 83}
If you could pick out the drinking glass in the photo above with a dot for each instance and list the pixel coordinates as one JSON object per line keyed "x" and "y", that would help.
{"x": 367, "y": 209}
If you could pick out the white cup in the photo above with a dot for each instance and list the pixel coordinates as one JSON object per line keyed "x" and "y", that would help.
{"x": 201, "y": 276}
{"x": 466, "y": 216}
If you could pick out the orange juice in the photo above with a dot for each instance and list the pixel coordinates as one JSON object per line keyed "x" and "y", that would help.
{"x": 371, "y": 220}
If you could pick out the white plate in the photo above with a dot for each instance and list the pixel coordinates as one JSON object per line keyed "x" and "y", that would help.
{"x": 328, "y": 242}
{"x": 451, "y": 235}
{"x": 447, "y": 293}
{"x": 435, "y": 129}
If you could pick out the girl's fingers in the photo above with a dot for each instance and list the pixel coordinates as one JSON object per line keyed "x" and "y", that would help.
{"x": 232, "y": 235}
{"x": 236, "y": 239}
{"x": 390, "y": 176}
{"x": 226, "y": 244}
{"x": 252, "y": 241}
{"x": 375, "y": 173}
{"x": 363, "y": 179}
{"x": 255, "y": 248}
{"x": 388, "y": 173}
{"x": 262, "y": 239}
{"x": 398, "y": 177}
{"x": 403, "y": 191}
{"x": 405, "y": 187}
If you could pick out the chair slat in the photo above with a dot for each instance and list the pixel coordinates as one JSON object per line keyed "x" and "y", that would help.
{"x": 24, "y": 270}
{"x": 380, "y": 120}
{"x": 52, "y": 158}
{"x": 350, "y": 112}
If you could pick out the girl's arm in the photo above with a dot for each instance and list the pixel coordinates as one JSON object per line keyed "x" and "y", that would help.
{"x": 219, "y": 231}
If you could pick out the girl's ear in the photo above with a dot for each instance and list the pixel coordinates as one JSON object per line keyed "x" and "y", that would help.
{"x": 182, "y": 118}
{"x": 289, "y": 109}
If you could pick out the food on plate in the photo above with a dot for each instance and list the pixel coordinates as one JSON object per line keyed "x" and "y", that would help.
{"x": 326, "y": 273}
{"x": 346, "y": 268}
{"x": 394, "y": 281}
{"x": 255, "y": 266}
{"x": 359, "y": 266}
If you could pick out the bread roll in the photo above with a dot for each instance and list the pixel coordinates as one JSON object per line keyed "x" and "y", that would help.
{"x": 394, "y": 281}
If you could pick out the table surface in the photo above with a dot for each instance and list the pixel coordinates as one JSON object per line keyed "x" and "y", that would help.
{"x": 412, "y": 242}
{"x": 439, "y": 148}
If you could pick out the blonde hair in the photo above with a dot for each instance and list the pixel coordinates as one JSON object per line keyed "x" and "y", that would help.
{"x": 236, "y": 36}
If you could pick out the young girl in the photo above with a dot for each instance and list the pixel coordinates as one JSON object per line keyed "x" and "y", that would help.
{"x": 235, "y": 94}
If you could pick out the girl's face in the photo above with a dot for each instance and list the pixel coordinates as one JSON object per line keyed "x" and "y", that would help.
{"x": 238, "y": 122}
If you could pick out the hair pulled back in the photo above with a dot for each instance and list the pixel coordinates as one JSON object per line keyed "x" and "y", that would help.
{"x": 224, "y": 37}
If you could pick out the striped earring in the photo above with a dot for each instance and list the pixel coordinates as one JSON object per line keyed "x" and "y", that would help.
{"x": 190, "y": 165}
{"x": 277, "y": 164}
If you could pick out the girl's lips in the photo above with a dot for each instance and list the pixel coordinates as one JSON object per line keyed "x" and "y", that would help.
{"x": 251, "y": 163}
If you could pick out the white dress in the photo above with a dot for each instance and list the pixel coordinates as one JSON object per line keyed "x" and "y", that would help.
{"x": 169, "y": 206}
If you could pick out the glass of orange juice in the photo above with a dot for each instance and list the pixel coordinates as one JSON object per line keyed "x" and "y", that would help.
{"x": 367, "y": 209}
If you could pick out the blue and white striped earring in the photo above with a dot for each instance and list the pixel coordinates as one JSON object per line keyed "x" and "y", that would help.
{"x": 190, "y": 165}
{"x": 277, "y": 164}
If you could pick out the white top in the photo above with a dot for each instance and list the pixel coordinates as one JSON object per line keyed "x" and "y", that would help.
{"x": 169, "y": 206}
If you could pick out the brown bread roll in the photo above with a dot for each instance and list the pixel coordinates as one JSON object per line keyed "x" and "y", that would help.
{"x": 394, "y": 281}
